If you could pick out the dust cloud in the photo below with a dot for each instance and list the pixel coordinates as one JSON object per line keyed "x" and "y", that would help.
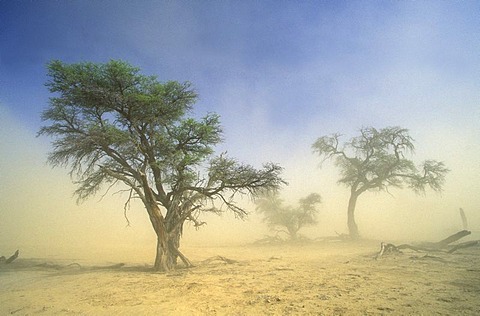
{"x": 40, "y": 217}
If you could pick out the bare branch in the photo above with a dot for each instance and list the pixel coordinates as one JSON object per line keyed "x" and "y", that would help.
{"x": 126, "y": 207}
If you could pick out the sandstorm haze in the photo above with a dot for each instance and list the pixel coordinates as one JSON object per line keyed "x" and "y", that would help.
{"x": 280, "y": 75}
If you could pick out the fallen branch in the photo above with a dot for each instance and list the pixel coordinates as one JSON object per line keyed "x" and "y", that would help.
{"x": 464, "y": 245}
{"x": 387, "y": 249}
{"x": 453, "y": 238}
{"x": 340, "y": 237}
{"x": 219, "y": 258}
{"x": 441, "y": 246}
{"x": 78, "y": 266}
{"x": 13, "y": 257}
{"x": 269, "y": 240}
{"x": 113, "y": 266}
{"x": 418, "y": 249}
{"x": 428, "y": 257}
{"x": 10, "y": 259}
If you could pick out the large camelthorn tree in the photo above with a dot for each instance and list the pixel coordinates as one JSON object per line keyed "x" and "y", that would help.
{"x": 110, "y": 124}
{"x": 375, "y": 160}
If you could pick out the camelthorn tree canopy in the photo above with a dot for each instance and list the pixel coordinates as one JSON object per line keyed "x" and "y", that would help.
{"x": 375, "y": 160}
{"x": 110, "y": 124}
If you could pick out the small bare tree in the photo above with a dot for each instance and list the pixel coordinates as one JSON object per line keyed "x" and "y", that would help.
{"x": 285, "y": 218}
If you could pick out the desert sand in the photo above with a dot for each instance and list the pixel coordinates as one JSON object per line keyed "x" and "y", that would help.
{"x": 303, "y": 279}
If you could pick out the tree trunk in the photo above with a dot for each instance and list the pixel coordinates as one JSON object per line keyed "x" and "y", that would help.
{"x": 168, "y": 252}
{"x": 168, "y": 233}
{"x": 352, "y": 225}
{"x": 168, "y": 244}
{"x": 293, "y": 236}
{"x": 292, "y": 232}
{"x": 163, "y": 257}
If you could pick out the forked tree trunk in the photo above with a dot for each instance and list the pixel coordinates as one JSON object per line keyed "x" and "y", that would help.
{"x": 352, "y": 225}
{"x": 163, "y": 257}
{"x": 168, "y": 252}
{"x": 168, "y": 244}
{"x": 169, "y": 232}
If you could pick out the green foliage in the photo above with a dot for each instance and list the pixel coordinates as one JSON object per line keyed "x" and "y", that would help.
{"x": 279, "y": 216}
{"x": 110, "y": 123}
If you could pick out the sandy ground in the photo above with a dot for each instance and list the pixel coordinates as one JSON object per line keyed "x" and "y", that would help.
{"x": 311, "y": 279}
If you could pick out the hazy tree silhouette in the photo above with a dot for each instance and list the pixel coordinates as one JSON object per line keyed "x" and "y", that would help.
{"x": 110, "y": 124}
{"x": 375, "y": 160}
{"x": 285, "y": 218}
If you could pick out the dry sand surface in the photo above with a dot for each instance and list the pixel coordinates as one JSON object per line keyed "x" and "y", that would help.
{"x": 307, "y": 279}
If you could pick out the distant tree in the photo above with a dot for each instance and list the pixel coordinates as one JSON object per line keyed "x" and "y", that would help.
{"x": 110, "y": 124}
{"x": 285, "y": 218}
{"x": 375, "y": 160}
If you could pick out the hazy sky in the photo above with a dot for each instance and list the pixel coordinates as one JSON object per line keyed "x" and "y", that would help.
{"x": 280, "y": 74}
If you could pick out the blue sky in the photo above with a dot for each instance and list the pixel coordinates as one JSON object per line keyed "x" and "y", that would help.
{"x": 303, "y": 59}
{"x": 280, "y": 73}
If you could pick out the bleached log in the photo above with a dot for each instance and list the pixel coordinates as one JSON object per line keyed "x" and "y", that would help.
{"x": 447, "y": 241}
{"x": 441, "y": 246}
